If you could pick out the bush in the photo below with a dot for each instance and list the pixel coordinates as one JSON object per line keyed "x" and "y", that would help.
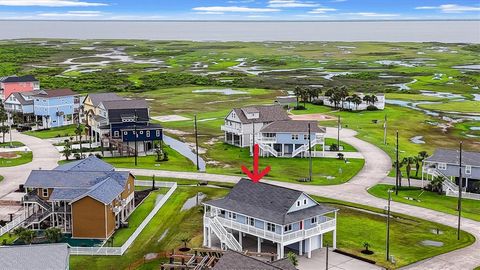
{"x": 98, "y": 156}
{"x": 299, "y": 107}
{"x": 317, "y": 102}
{"x": 333, "y": 147}
{"x": 372, "y": 108}
{"x": 77, "y": 156}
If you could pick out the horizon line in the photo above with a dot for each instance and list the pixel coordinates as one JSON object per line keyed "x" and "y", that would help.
{"x": 240, "y": 20}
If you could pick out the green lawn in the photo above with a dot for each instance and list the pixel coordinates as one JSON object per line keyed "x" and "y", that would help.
{"x": 24, "y": 157}
{"x": 285, "y": 169}
{"x": 311, "y": 108}
{"x": 412, "y": 97}
{"x": 64, "y": 131}
{"x": 137, "y": 217}
{"x": 468, "y": 106}
{"x": 430, "y": 200}
{"x": 355, "y": 226}
{"x": 176, "y": 162}
{"x": 14, "y": 144}
{"x": 346, "y": 147}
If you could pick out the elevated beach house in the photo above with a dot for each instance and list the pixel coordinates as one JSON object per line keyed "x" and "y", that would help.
{"x": 86, "y": 198}
{"x": 444, "y": 163}
{"x": 56, "y": 108}
{"x": 21, "y": 103}
{"x": 266, "y": 214}
{"x": 290, "y": 138}
{"x": 17, "y": 84}
{"x": 241, "y": 123}
{"x": 123, "y": 124}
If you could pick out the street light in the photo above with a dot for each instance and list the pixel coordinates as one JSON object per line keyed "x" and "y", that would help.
{"x": 388, "y": 223}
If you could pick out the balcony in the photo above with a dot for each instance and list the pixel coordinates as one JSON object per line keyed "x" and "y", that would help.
{"x": 329, "y": 224}
{"x": 231, "y": 129}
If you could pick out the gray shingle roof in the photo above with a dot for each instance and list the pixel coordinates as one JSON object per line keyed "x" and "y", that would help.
{"x": 26, "y": 78}
{"x": 267, "y": 202}
{"x": 56, "y": 93}
{"x": 39, "y": 257}
{"x": 232, "y": 260}
{"x": 452, "y": 156}
{"x": 105, "y": 191}
{"x": 67, "y": 194}
{"x": 71, "y": 179}
{"x": 293, "y": 126}
{"x": 266, "y": 114}
{"x": 90, "y": 164}
{"x": 100, "y": 97}
{"x": 125, "y": 104}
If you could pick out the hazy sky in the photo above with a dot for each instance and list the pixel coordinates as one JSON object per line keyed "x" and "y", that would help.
{"x": 239, "y": 9}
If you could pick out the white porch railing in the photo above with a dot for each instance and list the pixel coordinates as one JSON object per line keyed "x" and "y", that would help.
{"x": 323, "y": 227}
{"x": 222, "y": 234}
{"x": 12, "y": 224}
{"x": 231, "y": 129}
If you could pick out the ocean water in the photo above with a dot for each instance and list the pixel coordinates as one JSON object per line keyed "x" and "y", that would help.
{"x": 388, "y": 31}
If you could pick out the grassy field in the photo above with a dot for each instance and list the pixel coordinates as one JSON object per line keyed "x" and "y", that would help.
{"x": 24, "y": 157}
{"x": 175, "y": 162}
{"x": 430, "y": 200}
{"x": 459, "y": 106}
{"x": 14, "y": 144}
{"x": 355, "y": 226}
{"x": 286, "y": 169}
{"x": 137, "y": 217}
{"x": 65, "y": 131}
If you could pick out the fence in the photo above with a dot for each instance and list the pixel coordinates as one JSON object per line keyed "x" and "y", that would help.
{"x": 12, "y": 224}
{"x": 118, "y": 251}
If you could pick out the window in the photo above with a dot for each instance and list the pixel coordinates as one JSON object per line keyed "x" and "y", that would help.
{"x": 116, "y": 133}
{"x": 232, "y": 215}
{"x": 270, "y": 227}
{"x": 125, "y": 133}
{"x": 45, "y": 192}
{"x": 148, "y": 133}
{"x": 305, "y": 201}
{"x": 442, "y": 166}
{"x": 314, "y": 220}
{"x": 157, "y": 132}
{"x": 298, "y": 203}
{"x": 141, "y": 131}
{"x": 468, "y": 169}
{"x": 287, "y": 228}
{"x": 306, "y": 137}
{"x": 294, "y": 136}
{"x": 250, "y": 221}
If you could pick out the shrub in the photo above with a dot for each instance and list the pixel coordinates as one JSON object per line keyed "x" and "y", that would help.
{"x": 299, "y": 107}
{"x": 317, "y": 102}
{"x": 372, "y": 108}
{"x": 98, "y": 156}
{"x": 333, "y": 147}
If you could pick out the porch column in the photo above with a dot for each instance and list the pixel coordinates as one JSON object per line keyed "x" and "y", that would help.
{"x": 466, "y": 183}
{"x": 335, "y": 239}
{"x": 209, "y": 243}
{"x": 205, "y": 235}
{"x": 240, "y": 238}
{"x": 282, "y": 251}
{"x": 300, "y": 248}
{"x": 259, "y": 244}
{"x": 321, "y": 240}
{"x": 279, "y": 252}
{"x": 309, "y": 248}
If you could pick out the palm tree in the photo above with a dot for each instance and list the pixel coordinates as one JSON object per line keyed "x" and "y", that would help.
{"x": 343, "y": 93}
{"x": 422, "y": 155}
{"x": 349, "y": 100}
{"x": 53, "y": 234}
{"x": 305, "y": 96}
{"x": 330, "y": 92}
{"x": 437, "y": 184}
{"x": 297, "y": 92}
{"x": 399, "y": 169}
{"x": 367, "y": 99}
{"x": 315, "y": 92}
{"x": 67, "y": 149}
{"x": 357, "y": 100}
{"x": 185, "y": 240}
{"x": 292, "y": 257}
{"x": 373, "y": 99}
{"x": 78, "y": 132}
{"x": 408, "y": 161}
{"x": 335, "y": 99}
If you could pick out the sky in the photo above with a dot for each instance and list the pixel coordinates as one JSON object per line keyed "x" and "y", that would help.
{"x": 239, "y": 9}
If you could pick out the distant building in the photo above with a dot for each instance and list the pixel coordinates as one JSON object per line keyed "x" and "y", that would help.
{"x": 56, "y": 108}
{"x": 121, "y": 123}
{"x": 290, "y": 138}
{"x": 285, "y": 101}
{"x": 21, "y": 103}
{"x": 39, "y": 257}
{"x": 444, "y": 163}
{"x": 268, "y": 215}
{"x": 86, "y": 198}
{"x": 380, "y": 104}
{"x": 241, "y": 122}
{"x": 15, "y": 84}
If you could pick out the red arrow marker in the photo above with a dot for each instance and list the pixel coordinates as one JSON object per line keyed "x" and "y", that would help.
{"x": 255, "y": 176}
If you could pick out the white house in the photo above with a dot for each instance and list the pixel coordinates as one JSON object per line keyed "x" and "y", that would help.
{"x": 240, "y": 123}
{"x": 268, "y": 215}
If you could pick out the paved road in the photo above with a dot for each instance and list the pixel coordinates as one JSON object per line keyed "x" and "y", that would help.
{"x": 377, "y": 165}
{"x": 45, "y": 156}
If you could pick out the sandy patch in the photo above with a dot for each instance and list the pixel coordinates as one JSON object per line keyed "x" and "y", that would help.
{"x": 313, "y": 116}
{"x": 176, "y": 132}
{"x": 170, "y": 118}
{"x": 9, "y": 155}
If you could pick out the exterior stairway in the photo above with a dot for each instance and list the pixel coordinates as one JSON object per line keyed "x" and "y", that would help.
{"x": 224, "y": 236}
{"x": 304, "y": 148}
{"x": 451, "y": 189}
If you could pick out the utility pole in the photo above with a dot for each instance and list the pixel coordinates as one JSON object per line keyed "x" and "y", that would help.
{"x": 309, "y": 154}
{"x": 10, "y": 121}
{"x": 196, "y": 141}
{"x": 253, "y": 139}
{"x": 460, "y": 186}
{"x": 397, "y": 169}
{"x": 135, "y": 136}
{"x": 385, "y": 130}
{"x": 326, "y": 258}
{"x": 338, "y": 133}
{"x": 388, "y": 224}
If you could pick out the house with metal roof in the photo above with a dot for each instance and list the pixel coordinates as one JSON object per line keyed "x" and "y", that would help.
{"x": 120, "y": 123}
{"x": 56, "y": 108}
{"x": 290, "y": 138}
{"x": 39, "y": 257}
{"x": 268, "y": 215}
{"x": 445, "y": 163}
{"x": 17, "y": 84}
{"x": 86, "y": 198}
{"x": 241, "y": 123}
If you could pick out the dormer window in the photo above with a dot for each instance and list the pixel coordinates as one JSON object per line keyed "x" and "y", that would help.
{"x": 442, "y": 166}
{"x": 305, "y": 201}
{"x": 298, "y": 203}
